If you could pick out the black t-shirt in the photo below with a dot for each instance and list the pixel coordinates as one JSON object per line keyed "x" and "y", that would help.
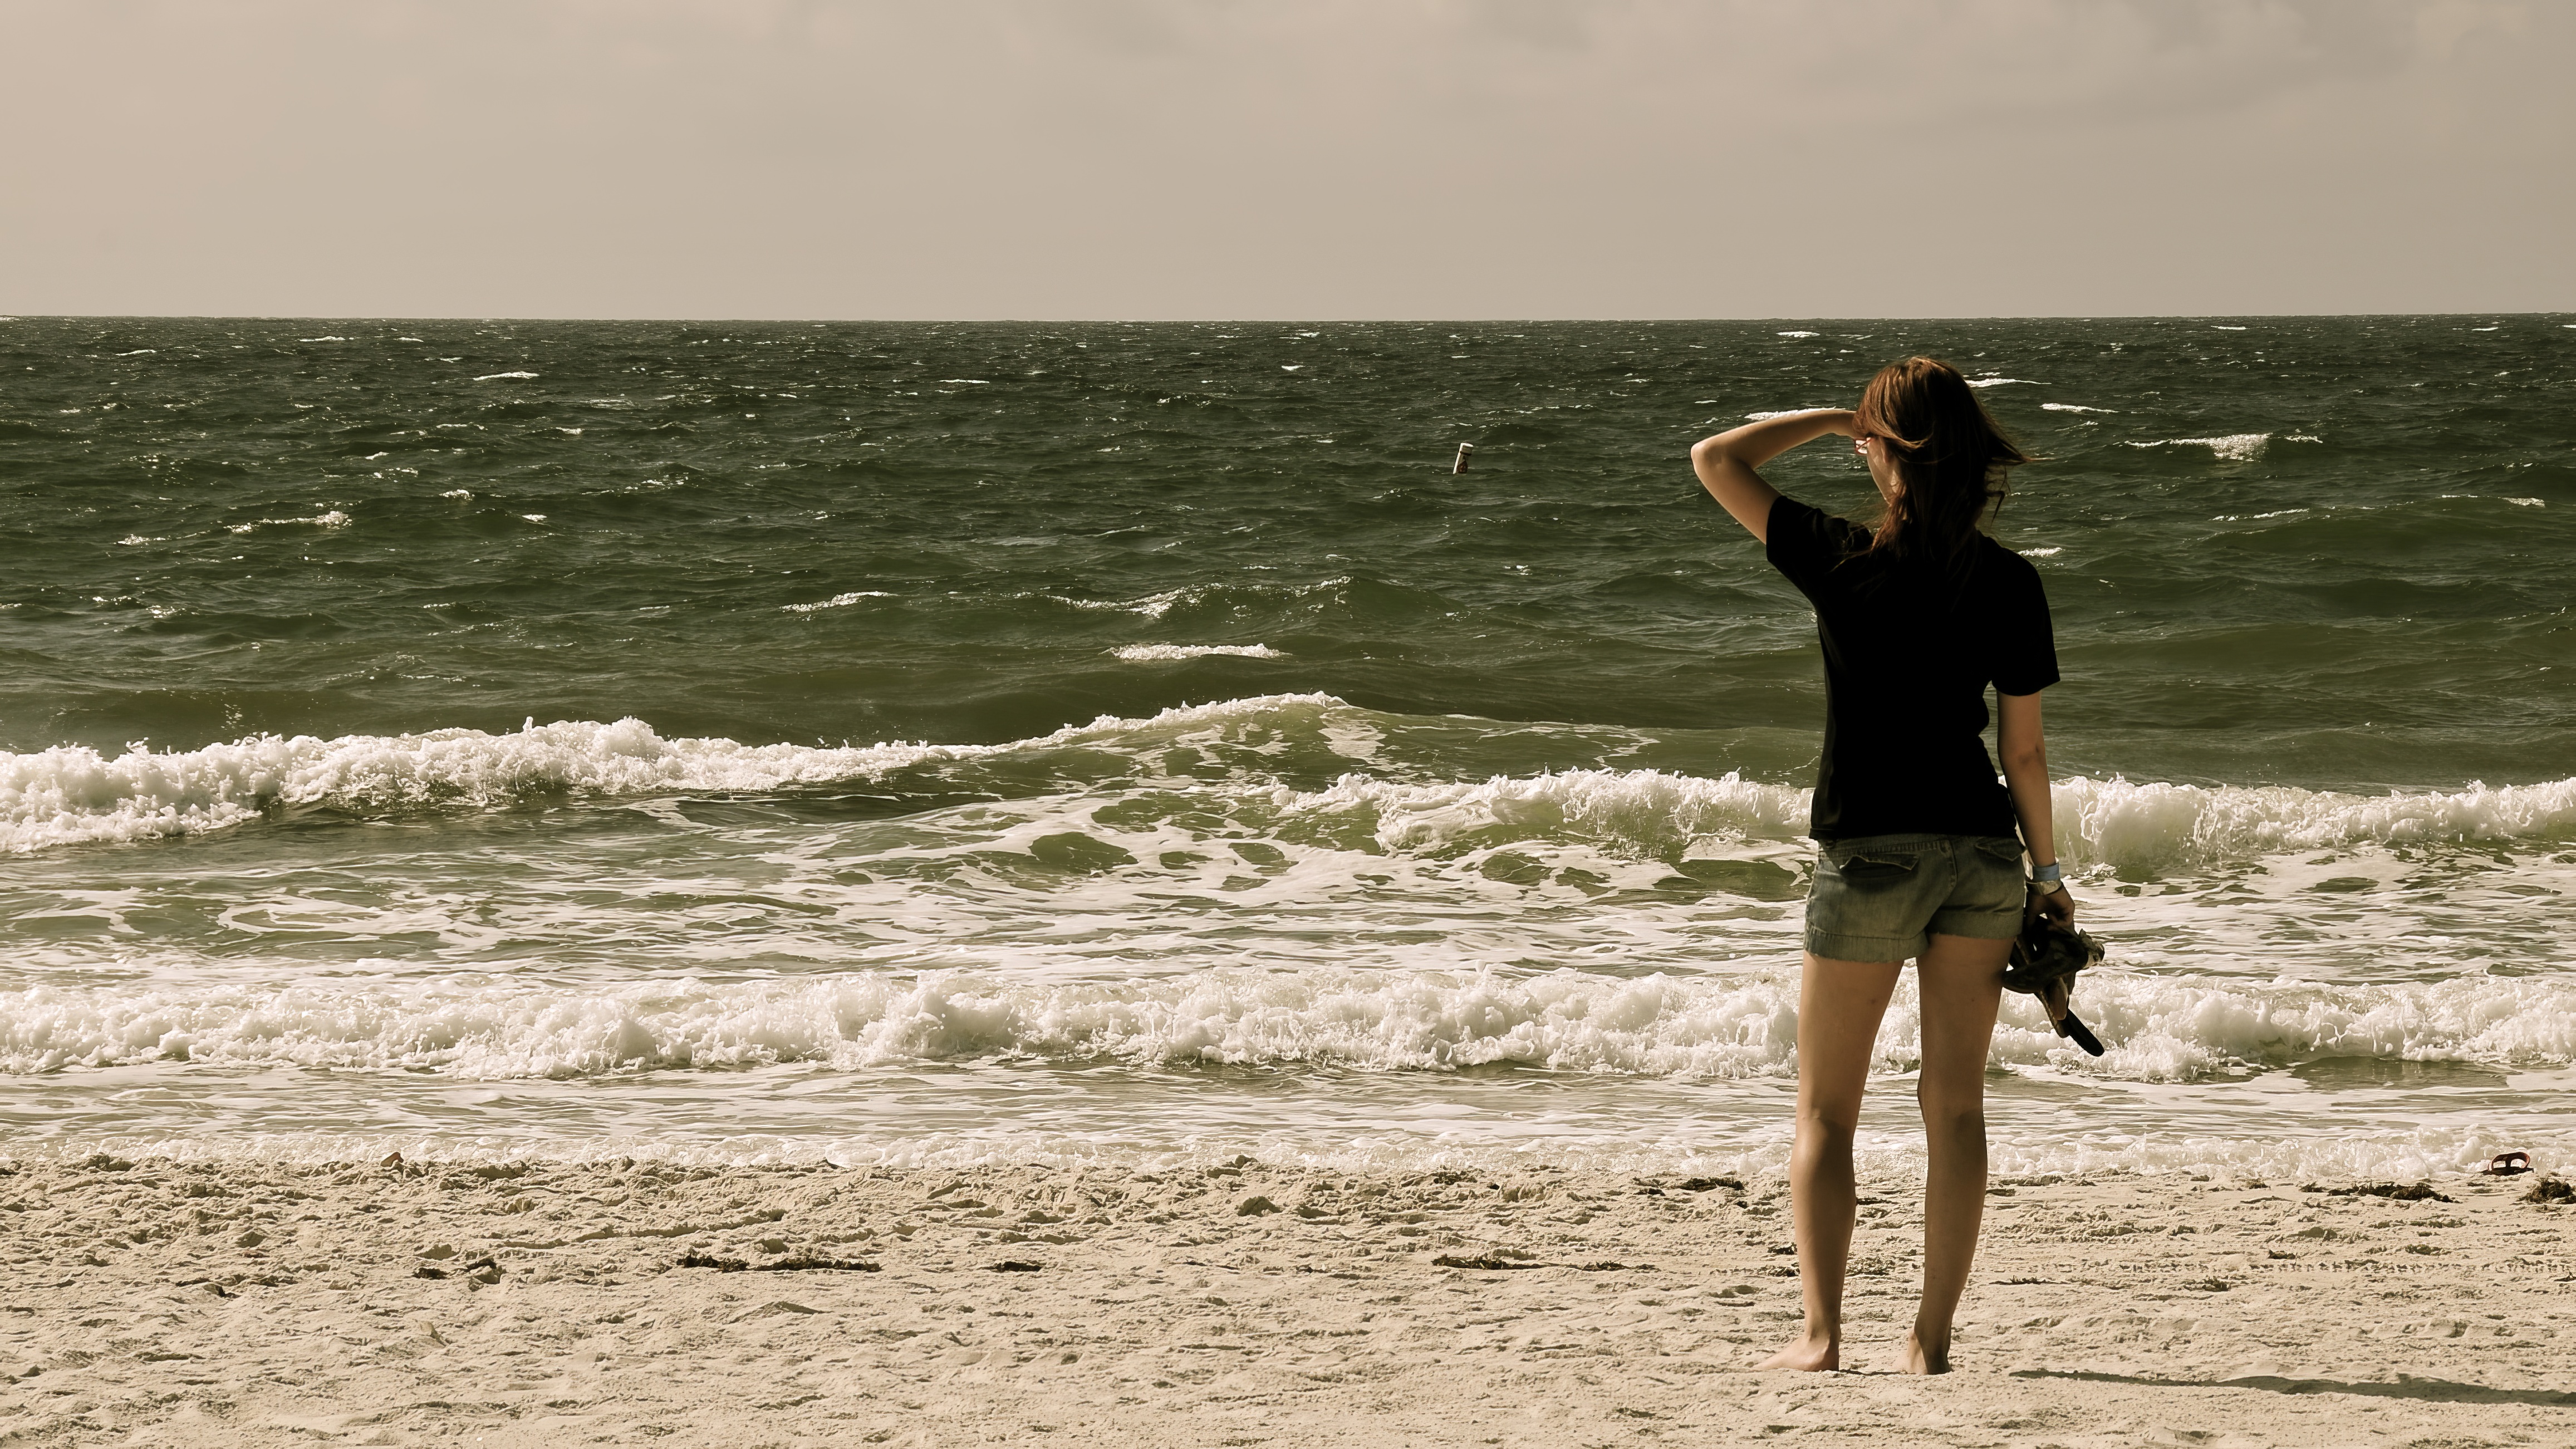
{"x": 1909, "y": 651}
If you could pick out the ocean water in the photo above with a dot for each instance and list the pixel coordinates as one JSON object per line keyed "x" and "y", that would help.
{"x": 1015, "y": 742}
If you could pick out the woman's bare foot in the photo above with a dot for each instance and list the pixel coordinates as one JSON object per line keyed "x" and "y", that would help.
{"x": 1921, "y": 1357}
{"x": 1808, "y": 1352}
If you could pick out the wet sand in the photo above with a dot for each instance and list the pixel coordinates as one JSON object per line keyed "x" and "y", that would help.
{"x": 526, "y": 1304}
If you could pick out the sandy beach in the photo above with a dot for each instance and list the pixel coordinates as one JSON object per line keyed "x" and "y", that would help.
{"x": 203, "y": 1303}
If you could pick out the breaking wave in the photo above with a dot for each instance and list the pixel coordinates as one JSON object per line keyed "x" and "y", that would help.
{"x": 2157, "y": 1028}
{"x": 73, "y": 794}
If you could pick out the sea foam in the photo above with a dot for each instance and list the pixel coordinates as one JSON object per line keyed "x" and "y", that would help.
{"x": 72, "y": 794}
{"x": 2233, "y": 448}
{"x": 1165, "y": 653}
{"x": 2112, "y": 822}
{"x": 1716, "y": 1026}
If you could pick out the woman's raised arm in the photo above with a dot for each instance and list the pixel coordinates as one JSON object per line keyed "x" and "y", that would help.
{"x": 1725, "y": 463}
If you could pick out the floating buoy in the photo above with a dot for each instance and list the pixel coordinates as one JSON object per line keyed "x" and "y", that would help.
{"x": 1466, "y": 455}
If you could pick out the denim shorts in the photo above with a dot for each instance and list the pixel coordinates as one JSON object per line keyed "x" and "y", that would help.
{"x": 1883, "y": 897}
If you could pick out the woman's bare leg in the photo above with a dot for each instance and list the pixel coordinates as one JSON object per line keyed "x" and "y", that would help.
{"x": 1961, "y": 978}
{"x": 1839, "y": 1006}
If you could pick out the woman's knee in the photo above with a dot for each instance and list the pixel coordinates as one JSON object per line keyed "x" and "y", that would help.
{"x": 1953, "y": 1119}
{"x": 1829, "y": 1123}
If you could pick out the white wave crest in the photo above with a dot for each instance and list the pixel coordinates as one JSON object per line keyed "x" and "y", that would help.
{"x": 1160, "y": 653}
{"x": 2100, "y": 822}
{"x": 2004, "y": 382}
{"x": 2233, "y": 448}
{"x": 1155, "y": 606}
{"x": 1707, "y": 1027}
{"x": 333, "y": 519}
{"x": 2072, "y": 408}
{"x": 498, "y": 376}
{"x": 1647, "y": 808}
{"x": 837, "y": 601}
{"x": 2156, "y": 824}
{"x": 72, "y": 793}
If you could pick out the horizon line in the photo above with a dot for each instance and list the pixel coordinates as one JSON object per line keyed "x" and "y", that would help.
{"x": 1425, "y": 321}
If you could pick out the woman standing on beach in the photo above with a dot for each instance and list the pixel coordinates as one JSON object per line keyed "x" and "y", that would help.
{"x": 1918, "y": 858}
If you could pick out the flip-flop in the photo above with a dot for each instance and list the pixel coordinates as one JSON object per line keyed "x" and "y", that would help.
{"x": 2073, "y": 1028}
{"x": 2507, "y": 1164}
{"x": 2044, "y": 962}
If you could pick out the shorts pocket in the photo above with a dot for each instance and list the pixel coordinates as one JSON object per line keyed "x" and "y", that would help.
{"x": 1992, "y": 881}
{"x": 1869, "y": 868}
{"x": 2001, "y": 848}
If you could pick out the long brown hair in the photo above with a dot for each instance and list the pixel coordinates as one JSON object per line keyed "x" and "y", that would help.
{"x": 1951, "y": 461}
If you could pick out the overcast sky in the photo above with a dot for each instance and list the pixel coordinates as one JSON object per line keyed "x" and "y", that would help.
{"x": 1286, "y": 158}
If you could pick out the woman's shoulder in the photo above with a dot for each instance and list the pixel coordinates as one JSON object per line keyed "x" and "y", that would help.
{"x": 1802, "y": 528}
{"x": 1994, "y": 546}
{"x": 2009, "y": 568}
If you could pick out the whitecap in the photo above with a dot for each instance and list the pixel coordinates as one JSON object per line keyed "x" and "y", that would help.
{"x": 2233, "y": 448}
{"x": 1797, "y": 334}
{"x": 1151, "y": 606}
{"x": 497, "y": 376}
{"x": 2072, "y": 408}
{"x": 333, "y": 519}
{"x": 2526, "y": 503}
{"x": 1159, "y": 653}
{"x": 837, "y": 601}
{"x": 2004, "y": 382}
{"x": 321, "y": 339}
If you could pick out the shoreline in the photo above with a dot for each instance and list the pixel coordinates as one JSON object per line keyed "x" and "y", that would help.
{"x": 212, "y": 1303}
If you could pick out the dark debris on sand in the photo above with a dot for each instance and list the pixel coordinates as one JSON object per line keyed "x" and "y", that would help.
{"x": 2408, "y": 1192}
{"x": 1489, "y": 1263}
{"x": 801, "y": 1263}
